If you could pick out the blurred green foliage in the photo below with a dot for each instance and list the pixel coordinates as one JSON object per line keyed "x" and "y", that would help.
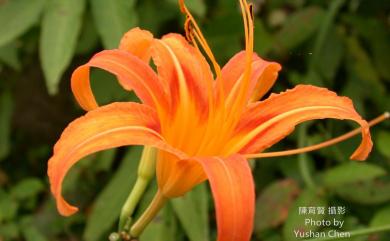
{"x": 342, "y": 45}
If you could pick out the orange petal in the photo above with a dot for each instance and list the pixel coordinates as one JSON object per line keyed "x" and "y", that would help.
{"x": 132, "y": 73}
{"x": 267, "y": 122}
{"x": 110, "y": 126}
{"x": 137, "y": 42}
{"x": 263, "y": 76}
{"x": 175, "y": 56}
{"x": 190, "y": 80}
{"x": 234, "y": 196}
{"x": 176, "y": 176}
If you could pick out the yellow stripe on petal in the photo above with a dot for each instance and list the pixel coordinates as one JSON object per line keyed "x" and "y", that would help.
{"x": 267, "y": 122}
{"x": 183, "y": 88}
{"x": 320, "y": 110}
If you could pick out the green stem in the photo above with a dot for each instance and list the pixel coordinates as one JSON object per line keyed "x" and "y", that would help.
{"x": 365, "y": 231}
{"x": 303, "y": 162}
{"x": 157, "y": 203}
{"x": 146, "y": 171}
{"x": 131, "y": 203}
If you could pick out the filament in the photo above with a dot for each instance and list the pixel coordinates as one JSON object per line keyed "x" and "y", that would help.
{"x": 192, "y": 29}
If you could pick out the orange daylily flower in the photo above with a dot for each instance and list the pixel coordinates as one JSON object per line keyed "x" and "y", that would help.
{"x": 204, "y": 127}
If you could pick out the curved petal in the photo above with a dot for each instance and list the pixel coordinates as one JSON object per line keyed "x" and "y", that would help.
{"x": 133, "y": 74}
{"x": 184, "y": 68}
{"x": 266, "y": 122}
{"x": 263, "y": 77}
{"x": 110, "y": 126}
{"x": 137, "y": 42}
{"x": 177, "y": 176}
{"x": 234, "y": 196}
{"x": 189, "y": 78}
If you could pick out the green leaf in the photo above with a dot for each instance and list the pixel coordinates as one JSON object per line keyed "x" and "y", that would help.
{"x": 351, "y": 172}
{"x": 6, "y": 106}
{"x": 296, "y": 221}
{"x": 8, "y": 208}
{"x": 107, "y": 89}
{"x": 277, "y": 197}
{"x": 108, "y": 204}
{"x": 265, "y": 39}
{"x": 46, "y": 215}
{"x": 29, "y": 231}
{"x": 224, "y": 34}
{"x": 192, "y": 211}
{"x": 289, "y": 167}
{"x": 27, "y": 187}
{"x": 196, "y": 7}
{"x": 324, "y": 32}
{"x": 17, "y": 16}
{"x": 9, "y": 55}
{"x": 298, "y": 28}
{"x": 104, "y": 160}
{"x": 9, "y": 231}
{"x": 381, "y": 218}
{"x": 89, "y": 38}
{"x": 330, "y": 56}
{"x": 60, "y": 29}
{"x": 151, "y": 19}
{"x": 383, "y": 140}
{"x": 361, "y": 66}
{"x": 162, "y": 227}
{"x": 368, "y": 192}
{"x": 227, "y": 6}
{"x": 375, "y": 32}
{"x": 113, "y": 19}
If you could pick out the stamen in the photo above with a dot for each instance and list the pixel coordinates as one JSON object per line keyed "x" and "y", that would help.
{"x": 182, "y": 6}
{"x": 190, "y": 34}
{"x": 241, "y": 94}
{"x": 245, "y": 20}
{"x": 237, "y": 98}
{"x": 192, "y": 29}
{"x": 248, "y": 26}
{"x": 188, "y": 29}
{"x": 251, "y": 11}
{"x": 330, "y": 142}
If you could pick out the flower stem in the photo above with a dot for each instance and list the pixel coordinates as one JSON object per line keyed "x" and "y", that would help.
{"x": 131, "y": 203}
{"x": 157, "y": 203}
{"x": 365, "y": 231}
{"x": 146, "y": 171}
